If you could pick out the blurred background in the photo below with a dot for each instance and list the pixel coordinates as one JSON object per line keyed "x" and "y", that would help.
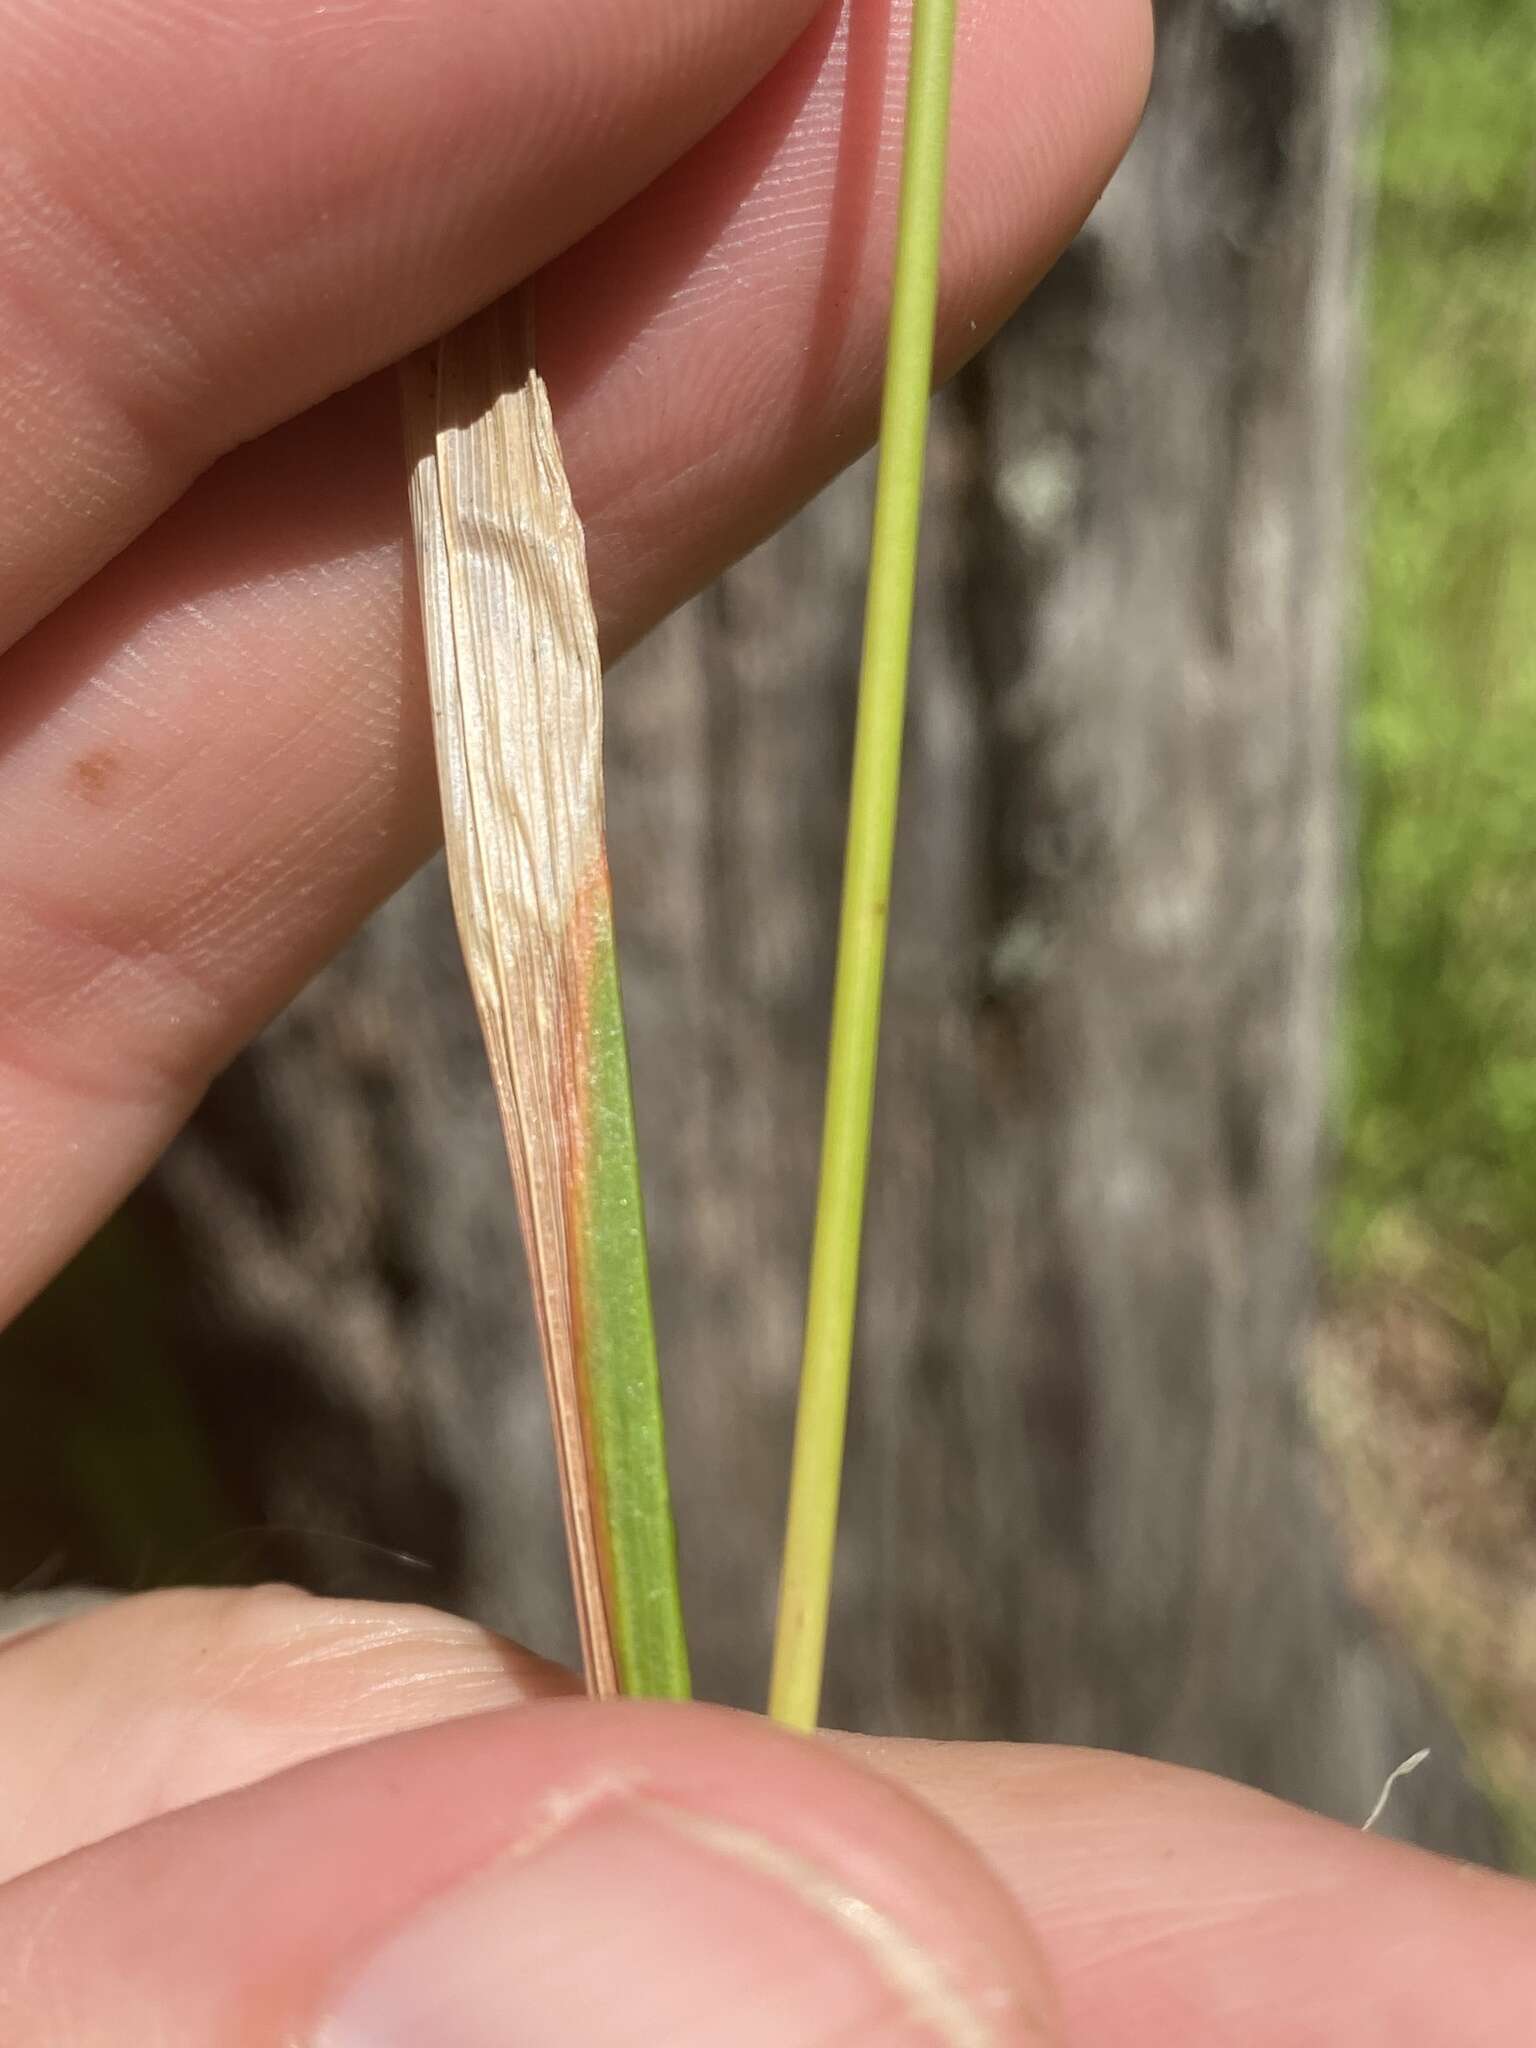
{"x": 1196, "y": 1398}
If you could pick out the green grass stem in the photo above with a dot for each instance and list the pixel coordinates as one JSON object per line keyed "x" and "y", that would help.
{"x": 821, "y": 1424}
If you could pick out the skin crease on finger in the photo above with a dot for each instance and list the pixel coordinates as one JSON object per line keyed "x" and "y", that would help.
{"x": 1176, "y": 1911}
{"x": 215, "y": 759}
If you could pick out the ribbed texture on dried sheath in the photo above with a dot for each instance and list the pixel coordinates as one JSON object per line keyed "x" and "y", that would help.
{"x": 517, "y": 713}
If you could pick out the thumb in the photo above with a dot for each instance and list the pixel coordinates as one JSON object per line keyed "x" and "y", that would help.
{"x": 558, "y": 1873}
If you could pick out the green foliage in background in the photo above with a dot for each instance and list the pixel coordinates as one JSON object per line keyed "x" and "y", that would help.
{"x": 1438, "y": 1180}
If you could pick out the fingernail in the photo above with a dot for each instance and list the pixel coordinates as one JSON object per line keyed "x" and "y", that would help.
{"x": 638, "y": 1923}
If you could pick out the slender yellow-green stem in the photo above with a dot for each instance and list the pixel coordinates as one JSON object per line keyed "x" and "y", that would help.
{"x": 821, "y": 1425}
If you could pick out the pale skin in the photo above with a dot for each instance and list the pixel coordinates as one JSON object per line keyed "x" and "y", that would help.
{"x": 216, "y": 1810}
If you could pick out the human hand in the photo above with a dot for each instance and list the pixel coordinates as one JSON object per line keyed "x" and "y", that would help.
{"x": 214, "y": 741}
{"x": 264, "y": 1820}
{"x": 214, "y": 759}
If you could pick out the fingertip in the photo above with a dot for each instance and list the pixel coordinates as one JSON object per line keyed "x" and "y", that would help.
{"x": 557, "y": 1872}
{"x": 1040, "y": 126}
{"x": 757, "y": 271}
{"x": 198, "y": 1691}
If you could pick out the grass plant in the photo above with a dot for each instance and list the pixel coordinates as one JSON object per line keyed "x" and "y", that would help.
{"x": 821, "y": 1424}
{"x": 517, "y": 707}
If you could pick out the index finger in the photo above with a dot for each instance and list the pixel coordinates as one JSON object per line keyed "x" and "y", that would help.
{"x": 219, "y": 214}
{"x": 217, "y": 759}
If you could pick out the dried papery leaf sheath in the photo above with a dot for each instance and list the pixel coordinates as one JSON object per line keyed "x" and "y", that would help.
{"x": 517, "y": 713}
